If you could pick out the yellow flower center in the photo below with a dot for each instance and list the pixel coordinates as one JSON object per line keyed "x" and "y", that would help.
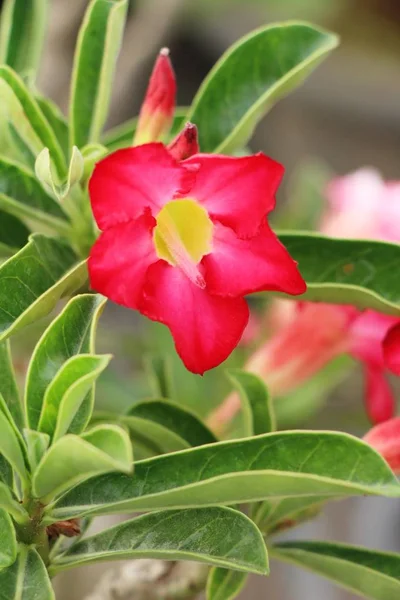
{"x": 183, "y": 235}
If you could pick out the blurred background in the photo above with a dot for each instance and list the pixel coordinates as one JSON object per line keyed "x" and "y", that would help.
{"x": 346, "y": 115}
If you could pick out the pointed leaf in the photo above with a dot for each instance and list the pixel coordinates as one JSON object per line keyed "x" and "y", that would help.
{"x": 73, "y": 459}
{"x": 17, "y": 95}
{"x": 368, "y": 573}
{"x": 65, "y": 394}
{"x": 13, "y": 234}
{"x": 34, "y": 279}
{"x": 358, "y": 272}
{"x": 26, "y": 579}
{"x": 69, "y": 334}
{"x": 219, "y": 536}
{"x": 256, "y": 403}
{"x": 275, "y": 465}
{"x": 10, "y": 447}
{"x": 8, "y": 385}
{"x": 8, "y": 541}
{"x": 37, "y": 444}
{"x": 22, "y": 32}
{"x": 96, "y": 52}
{"x": 57, "y": 122}
{"x": 9, "y": 503}
{"x": 251, "y": 77}
{"x": 225, "y": 584}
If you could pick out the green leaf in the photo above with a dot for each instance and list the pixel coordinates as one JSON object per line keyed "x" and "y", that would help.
{"x": 57, "y": 122}
{"x": 37, "y": 444}
{"x": 175, "y": 418}
{"x": 8, "y": 541}
{"x": 368, "y": 573}
{"x": 225, "y": 584}
{"x": 271, "y": 514}
{"x": 13, "y": 234}
{"x": 25, "y": 153}
{"x": 122, "y": 135}
{"x": 96, "y": 53}
{"x": 10, "y": 447}
{"x": 23, "y": 196}
{"x": 34, "y": 279}
{"x": 73, "y": 459}
{"x": 71, "y": 333}
{"x": 22, "y": 33}
{"x": 251, "y": 77}
{"x": 11, "y": 505}
{"x": 258, "y": 415}
{"x": 6, "y": 473}
{"x": 67, "y": 391}
{"x": 358, "y": 272}
{"x": 219, "y": 536}
{"x": 8, "y": 386}
{"x": 275, "y": 465}
{"x": 159, "y": 369}
{"x": 16, "y": 95}
{"x": 26, "y": 579}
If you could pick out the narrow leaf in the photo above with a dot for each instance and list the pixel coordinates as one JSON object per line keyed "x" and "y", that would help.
{"x": 13, "y": 234}
{"x": 26, "y": 578}
{"x": 10, "y": 504}
{"x": 37, "y": 444}
{"x": 73, "y": 459}
{"x": 68, "y": 335}
{"x": 275, "y": 465}
{"x": 10, "y": 447}
{"x": 218, "y": 536}
{"x": 8, "y": 385}
{"x": 57, "y": 122}
{"x": 160, "y": 374}
{"x": 225, "y": 584}
{"x": 272, "y": 515}
{"x": 96, "y": 52}
{"x": 368, "y": 573}
{"x": 8, "y": 540}
{"x": 257, "y": 407}
{"x": 251, "y": 77}
{"x": 34, "y": 279}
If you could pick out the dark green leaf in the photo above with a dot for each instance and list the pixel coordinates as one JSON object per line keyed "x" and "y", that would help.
{"x": 56, "y": 121}
{"x": 71, "y": 333}
{"x": 34, "y": 279}
{"x": 22, "y": 33}
{"x": 275, "y": 465}
{"x": 8, "y": 541}
{"x": 8, "y": 386}
{"x": 25, "y": 153}
{"x": 26, "y": 578}
{"x": 368, "y": 573}
{"x": 6, "y": 473}
{"x": 257, "y": 407}
{"x": 73, "y": 459}
{"x": 225, "y": 584}
{"x": 96, "y": 52}
{"x": 251, "y": 77}
{"x": 219, "y": 536}
{"x": 13, "y": 234}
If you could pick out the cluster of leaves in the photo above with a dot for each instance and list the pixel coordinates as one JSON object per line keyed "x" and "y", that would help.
{"x": 60, "y": 460}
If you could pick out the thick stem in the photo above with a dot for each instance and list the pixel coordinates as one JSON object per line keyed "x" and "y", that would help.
{"x": 32, "y": 531}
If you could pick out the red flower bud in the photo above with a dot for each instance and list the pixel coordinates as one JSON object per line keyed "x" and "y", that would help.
{"x": 385, "y": 438}
{"x": 185, "y": 144}
{"x": 158, "y": 107}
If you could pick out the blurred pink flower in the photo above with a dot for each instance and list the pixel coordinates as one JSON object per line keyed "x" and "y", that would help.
{"x": 385, "y": 438}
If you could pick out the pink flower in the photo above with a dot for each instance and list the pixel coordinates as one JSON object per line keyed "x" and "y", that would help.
{"x": 184, "y": 242}
{"x": 385, "y": 438}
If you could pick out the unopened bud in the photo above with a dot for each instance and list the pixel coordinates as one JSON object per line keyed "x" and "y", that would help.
{"x": 186, "y": 143}
{"x": 44, "y": 172}
{"x": 158, "y": 107}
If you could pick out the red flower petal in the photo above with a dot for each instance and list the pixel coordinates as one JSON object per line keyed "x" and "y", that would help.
{"x": 391, "y": 349}
{"x": 131, "y": 180}
{"x": 385, "y": 438}
{"x": 237, "y": 266}
{"x": 206, "y": 329}
{"x": 239, "y": 192}
{"x": 119, "y": 260}
{"x": 380, "y": 403}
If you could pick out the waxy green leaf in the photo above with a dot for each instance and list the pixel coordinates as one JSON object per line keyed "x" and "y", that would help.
{"x": 37, "y": 444}
{"x": 251, "y": 77}
{"x": 22, "y": 33}
{"x": 225, "y": 584}
{"x": 10, "y": 504}
{"x": 73, "y": 459}
{"x": 67, "y": 391}
{"x": 21, "y": 105}
{"x": 34, "y": 279}
{"x": 57, "y": 122}
{"x": 96, "y": 53}
{"x": 272, "y": 514}
{"x": 13, "y": 234}
{"x": 8, "y": 540}
{"x": 275, "y": 465}
{"x": 219, "y": 536}
{"x": 8, "y": 385}
{"x": 26, "y": 578}
{"x": 70, "y": 334}
{"x": 257, "y": 407}
{"x": 10, "y": 446}
{"x": 368, "y": 573}
{"x": 358, "y": 272}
